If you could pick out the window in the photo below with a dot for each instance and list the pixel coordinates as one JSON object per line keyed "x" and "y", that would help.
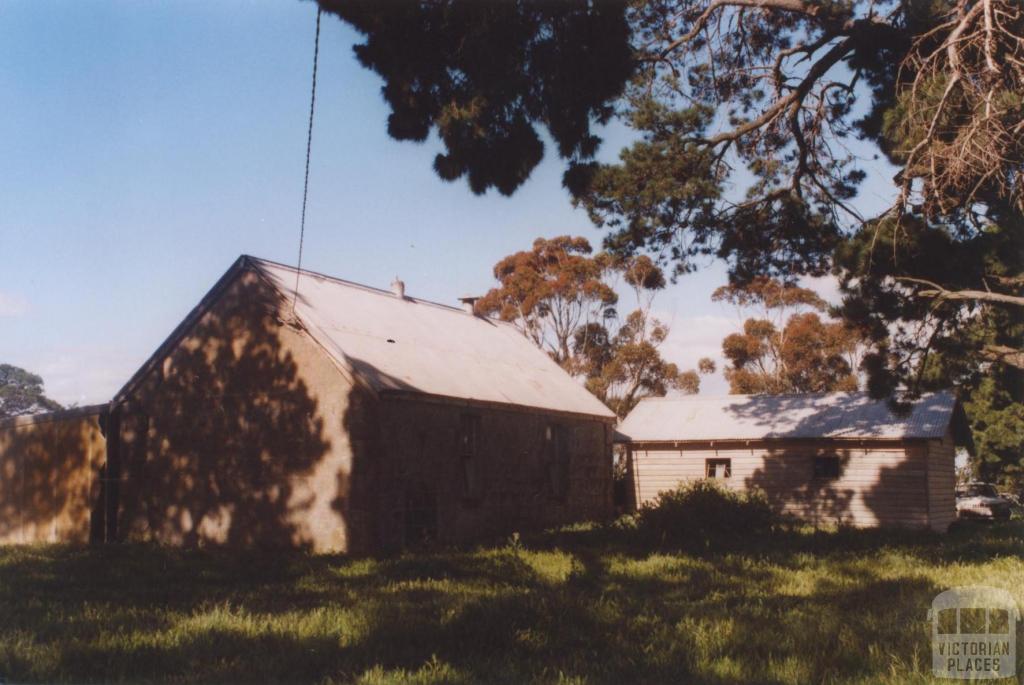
{"x": 718, "y": 468}
{"x": 556, "y": 460}
{"x": 826, "y": 467}
{"x": 420, "y": 515}
{"x": 469, "y": 439}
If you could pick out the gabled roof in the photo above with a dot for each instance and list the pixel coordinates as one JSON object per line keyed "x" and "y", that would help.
{"x": 760, "y": 417}
{"x": 408, "y": 345}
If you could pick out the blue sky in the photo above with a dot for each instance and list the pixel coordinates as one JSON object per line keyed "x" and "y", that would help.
{"x": 144, "y": 146}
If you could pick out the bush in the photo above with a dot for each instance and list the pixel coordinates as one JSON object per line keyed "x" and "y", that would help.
{"x": 705, "y": 515}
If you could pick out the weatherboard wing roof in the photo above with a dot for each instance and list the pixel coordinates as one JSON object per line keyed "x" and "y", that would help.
{"x": 759, "y": 417}
{"x": 406, "y": 344}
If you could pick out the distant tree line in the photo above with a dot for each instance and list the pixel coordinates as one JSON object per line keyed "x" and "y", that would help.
{"x": 21, "y": 393}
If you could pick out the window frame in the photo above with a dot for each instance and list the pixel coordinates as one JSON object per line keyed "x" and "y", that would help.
{"x": 468, "y": 449}
{"x": 820, "y": 473}
{"x": 557, "y": 461}
{"x": 710, "y": 463}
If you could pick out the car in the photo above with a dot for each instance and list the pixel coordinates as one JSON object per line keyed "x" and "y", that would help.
{"x": 982, "y": 501}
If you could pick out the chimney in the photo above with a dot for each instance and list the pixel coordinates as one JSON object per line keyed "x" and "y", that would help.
{"x": 468, "y": 304}
{"x": 398, "y": 287}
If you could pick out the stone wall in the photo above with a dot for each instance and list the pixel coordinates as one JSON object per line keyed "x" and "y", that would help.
{"x": 50, "y": 476}
{"x": 527, "y": 470}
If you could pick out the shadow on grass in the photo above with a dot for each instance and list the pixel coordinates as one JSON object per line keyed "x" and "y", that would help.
{"x": 585, "y": 603}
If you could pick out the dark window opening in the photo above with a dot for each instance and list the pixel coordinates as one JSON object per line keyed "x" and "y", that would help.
{"x": 420, "y": 516}
{"x": 556, "y": 460}
{"x": 826, "y": 467}
{"x": 469, "y": 445}
{"x": 718, "y": 468}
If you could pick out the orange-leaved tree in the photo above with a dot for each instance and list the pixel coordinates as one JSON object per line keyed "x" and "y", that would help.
{"x": 551, "y": 290}
{"x": 562, "y": 296}
{"x": 786, "y": 346}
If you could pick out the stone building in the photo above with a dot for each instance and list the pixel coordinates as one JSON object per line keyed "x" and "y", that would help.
{"x": 348, "y": 418}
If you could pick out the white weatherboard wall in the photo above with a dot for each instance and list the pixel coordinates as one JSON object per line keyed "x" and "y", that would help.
{"x": 893, "y": 469}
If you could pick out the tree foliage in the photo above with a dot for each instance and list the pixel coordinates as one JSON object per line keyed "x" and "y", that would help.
{"x": 551, "y": 291}
{"x": 750, "y": 116}
{"x": 787, "y": 347}
{"x": 626, "y": 367}
{"x": 562, "y": 297}
{"x": 487, "y": 76}
{"x": 21, "y": 392}
{"x": 958, "y": 120}
{"x": 928, "y": 343}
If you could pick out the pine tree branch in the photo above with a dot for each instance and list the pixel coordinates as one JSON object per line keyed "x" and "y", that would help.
{"x": 937, "y": 291}
{"x": 1005, "y": 355}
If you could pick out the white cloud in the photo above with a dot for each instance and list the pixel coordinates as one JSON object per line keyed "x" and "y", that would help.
{"x": 12, "y": 305}
{"x": 827, "y": 287}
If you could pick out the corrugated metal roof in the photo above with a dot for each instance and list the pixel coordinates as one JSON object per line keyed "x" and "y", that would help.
{"x": 407, "y": 344}
{"x": 758, "y": 417}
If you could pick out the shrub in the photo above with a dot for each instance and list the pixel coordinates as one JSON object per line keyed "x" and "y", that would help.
{"x": 705, "y": 515}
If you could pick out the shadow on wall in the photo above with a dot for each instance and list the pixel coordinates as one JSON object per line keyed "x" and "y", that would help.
{"x": 792, "y": 485}
{"x": 216, "y": 441}
{"x": 898, "y": 494}
{"x": 49, "y": 479}
{"x": 355, "y": 501}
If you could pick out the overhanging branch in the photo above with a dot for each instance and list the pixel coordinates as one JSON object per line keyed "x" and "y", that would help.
{"x": 937, "y": 291}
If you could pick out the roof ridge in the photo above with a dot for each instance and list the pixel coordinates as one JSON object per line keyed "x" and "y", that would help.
{"x": 693, "y": 398}
{"x": 835, "y": 393}
{"x": 257, "y": 261}
{"x": 534, "y": 379}
{"x": 839, "y": 415}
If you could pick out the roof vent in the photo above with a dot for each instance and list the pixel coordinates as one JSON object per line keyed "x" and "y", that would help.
{"x": 468, "y": 304}
{"x": 398, "y": 287}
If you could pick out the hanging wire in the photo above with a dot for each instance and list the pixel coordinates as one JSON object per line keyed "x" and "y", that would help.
{"x": 309, "y": 147}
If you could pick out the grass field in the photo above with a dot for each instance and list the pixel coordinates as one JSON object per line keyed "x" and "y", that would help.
{"x": 578, "y": 605}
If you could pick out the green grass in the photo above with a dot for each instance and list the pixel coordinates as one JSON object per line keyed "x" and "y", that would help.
{"x": 581, "y": 605}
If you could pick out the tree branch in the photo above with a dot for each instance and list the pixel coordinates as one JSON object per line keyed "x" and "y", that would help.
{"x": 937, "y": 291}
{"x": 1004, "y": 355}
{"x": 819, "y": 69}
{"x": 810, "y": 9}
